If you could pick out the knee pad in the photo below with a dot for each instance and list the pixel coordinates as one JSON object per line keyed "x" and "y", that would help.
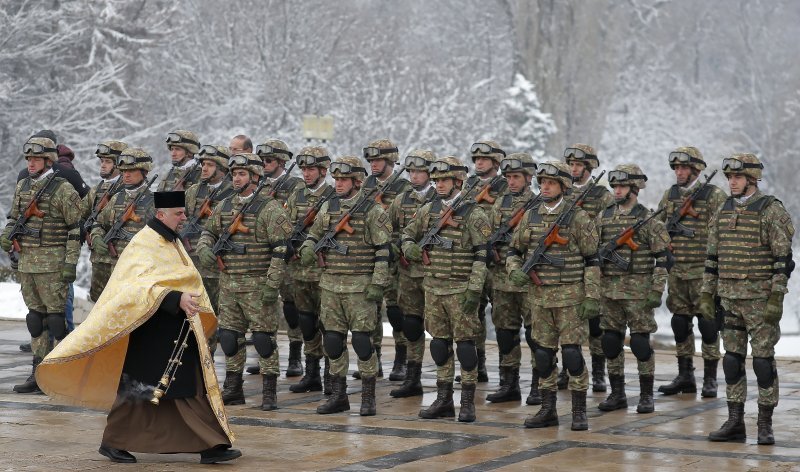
{"x": 57, "y": 324}
{"x": 413, "y": 327}
{"x": 640, "y": 346}
{"x": 290, "y": 313}
{"x": 264, "y": 343}
{"x": 507, "y": 340}
{"x": 681, "y": 327}
{"x": 35, "y": 321}
{"x": 612, "y": 344}
{"x": 529, "y": 338}
{"x": 333, "y": 341}
{"x": 362, "y": 344}
{"x": 573, "y": 358}
{"x": 708, "y": 330}
{"x": 467, "y": 354}
{"x": 594, "y": 328}
{"x": 395, "y": 316}
{"x": 733, "y": 366}
{"x": 545, "y": 360}
{"x": 308, "y": 325}
{"x": 229, "y": 341}
{"x": 765, "y": 370}
{"x": 441, "y": 350}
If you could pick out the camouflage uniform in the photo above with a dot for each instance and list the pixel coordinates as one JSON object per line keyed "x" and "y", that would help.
{"x": 686, "y": 276}
{"x": 186, "y": 140}
{"x": 748, "y": 267}
{"x": 43, "y": 257}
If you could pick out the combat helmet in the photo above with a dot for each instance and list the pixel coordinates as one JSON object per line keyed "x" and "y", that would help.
{"x": 518, "y": 162}
{"x": 110, "y": 150}
{"x": 381, "y": 149}
{"x": 488, "y": 149}
{"x": 419, "y": 159}
{"x": 742, "y": 163}
{"x": 627, "y": 174}
{"x": 348, "y": 167}
{"x": 41, "y": 147}
{"x": 555, "y": 170}
{"x": 184, "y": 139}
{"x": 582, "y": 153}
{"x": 134, "y": 158}
{"x": 313, "y": 156}
{"x": 248, "y": 161}
{"x": 220, "y": 155}
{"x": 688, "y": 156}
{"x": 448, "y": 166}
{"x": 274, "y": 149}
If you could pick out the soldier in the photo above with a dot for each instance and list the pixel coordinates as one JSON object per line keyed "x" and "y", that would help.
{"x": 453, "y": 283}
{"x": 201, "y": 198}
{"x": 582, "y": 160}
{"x": 568, "y": 295}
{"x": 630, "y": 295}
{"x": 133, "y": 164}
{"x": 486, "y": 156}
{"x": 351, "y": 283}
{"x": 748, "y": 266}
{"x": 313, "y": 162}
{"x": 48, "y": 251}
{"x": 689, "y": 242}
{"x": 185, "y": 170}
{"x": 410, "y": 293}
{"x": 107, "y": 152}
{"x": 275, "y": 154}
{"x": 510, "y": 307}
{"x": 382, "y": 155}
{"x": 250, "y": 279}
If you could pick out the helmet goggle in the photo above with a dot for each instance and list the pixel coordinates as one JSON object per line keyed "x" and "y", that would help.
{"x": 175, "y": 138}
{"x": 106, "y": 150}
{"x": 373, "y": 152}
{"x": 549, "y": 170}
{"x": 240, "y": 160}
{"x": 684, "y": 158}
{"x": 211, "y": 151}
{"x": 484, "y": 148}
{"x": 733, "y": 164}
{"x": 345, "y": 168}
{"x": 129, "y": 160}
{"x": 264, "y": 149}
{"x": 621, "y": 176}
{"x": 441, "y": 166}
{"x": 416, "y": 161}
{"x": 511, "y": 165}
{"x": 307, "y": 160}
{"x": 577, "y": 153}
{"x": 33, "y": 148}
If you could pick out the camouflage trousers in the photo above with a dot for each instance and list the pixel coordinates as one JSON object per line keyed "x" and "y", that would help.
{"x": 558, "y": 326}
{"x": 629, "y": 314}
{"x": 101, "y": 272}
{"x": 390, "y": 299}
{"x": 307, "y": 300}
{"x": 240, "y": 311}
{"x": 287, "y": 296}
{"x": 211, "y": 285}
{"x": 411, "y": 299}
{"x": 683, "y": 298}
{"x": 510, "y": 311}
{"x": 445, "y": 319}
{"x": 45, "y": 293}
{"x": 343, "y": 312}
{"x": 486, "y": 299}
{"x": 743, "y": 319}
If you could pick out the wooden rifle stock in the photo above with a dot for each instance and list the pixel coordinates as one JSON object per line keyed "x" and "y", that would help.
{"x": 555, "y": 238}
{"x": 483, "y": 195}
{"x": 535, "y": 278}
{"x": 627, "y": 239}
{"x": 688, "y": 209}
{"x": 344, "y": 225}
{"x": 33, "y": 210}
{"x": 237, "y": 226}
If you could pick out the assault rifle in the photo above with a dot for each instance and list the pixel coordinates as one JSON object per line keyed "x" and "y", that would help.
{"x": 299, "y": 233}
{"x": 224, "y": 243}
{"x": 20, "y": 228}
{"x": 625, "y": 238}
{"x": 401, "y": 258}
{"x": 116, "y": 231}
{"x": 483, "y": 195}
{"x": 179, "y": 185}
{"x": 538, "y": 256}
{"x": 277, "y": 183}
{"x": 328, "y": 240}
{"x": 192, "y": 226}
{"x": 431, "y": 237}
{"x": 110, "y": 191}
{"x": 674, "y": 225}
{"x": 389, "y": 182}
{"x": 503, "y": 233}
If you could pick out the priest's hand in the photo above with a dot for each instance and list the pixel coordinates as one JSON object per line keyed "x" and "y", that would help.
{"x": 188, "y": 303}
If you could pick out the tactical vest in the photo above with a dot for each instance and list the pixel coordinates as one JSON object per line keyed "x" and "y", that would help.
{"x": 572, "y": 271}
{"x": 593, "y": 203}
{"x": 454, "y": 263}
{"x": 175, "y": 174}
{"x": 52, "y": 231}
{"x": 741, "y": 253}
{"x": 257, "y": 255}
{"x": 685, "y": 249}
{"x": 643, "y": 260}
{"x": 203, "y": 191}
{"x": 100, "y": 190}
{"x": 498, "y": 187}
{"x": 305, "y": 200}
{"x": 131, "y": 227}
{"x": 506, "y": 209}
{"x": 360, "y": 257}
{"x": 409, "y": 206}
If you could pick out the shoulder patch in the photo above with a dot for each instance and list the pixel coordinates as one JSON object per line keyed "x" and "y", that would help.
{"x": 284, "y": 224}
{"x": 482, "y": 227}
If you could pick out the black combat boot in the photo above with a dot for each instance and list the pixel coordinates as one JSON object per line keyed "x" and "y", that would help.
{"x": 412, "y": 385}
{"x": 509, "y": 389}
{"x": 269, "y": 399}
{"x": 443, "y": 406}
{"x": 338, "y": 401}
{"x": 563, "y": 379}
{"x": 483, "y": 376}
{"x": 579, "y": 420}
{"x": 232, "y": 393}
{"x": 617, "y": 400}
{"x": 327, "y": 383}
{"x": 30, "y": 385}
{"x": 547, "y": 415}
{"x": 684, "y": 382}
{"x": 598, "y": 373}
{"x": 534, "y": 398}
{"x": 709, "y": 378}
{"x": 765, "y": 435}
{"x": 646, "y": 402}
{"x": 467, "y": 412}
{"x": 25, "y": 347}
{"x": 399, "y": 366}
{"x": 310, "y": 381}
{"x": 295, "y": 367}
{"x": 733, "y": 428}
{"x": 367, "y": 396}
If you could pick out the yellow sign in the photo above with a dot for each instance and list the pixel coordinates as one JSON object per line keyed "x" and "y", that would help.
{"x": 318, "y": 127}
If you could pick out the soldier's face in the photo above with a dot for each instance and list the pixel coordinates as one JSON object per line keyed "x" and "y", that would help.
{"x": 621, "y": 192}
{"x": 171, "y": 217}
{"x": 237, "y": 146}
{"x": 107, "y": 167}
{"x": 344, "y": 186}
{"x": 208, "y": 169}
{"x": 484, "y": 164}
{"x": 177, "y": 154}
{"x": 549, "y": 188}
{"x": 682, "y": 174}
{"x": 35, "y": 164}
{"x": 737, "y": 183}
{"x": 241, "y": 178}
{"x": 418, "y": 178}
{"x": 311, "y": 175}
{"x": 576, "y": 170}
{"x": 444, "y": 187}
{"x": 271, "y": 165}
{"x": 132, "y": 177}
{"x": 517, "y": 181}
{"x": 379, "y": 167}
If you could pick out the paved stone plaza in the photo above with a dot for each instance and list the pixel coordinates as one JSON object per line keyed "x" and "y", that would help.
{"x": 36, "y": 434}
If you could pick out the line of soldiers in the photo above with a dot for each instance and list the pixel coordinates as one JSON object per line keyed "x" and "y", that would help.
{"x": 574, "y": 261}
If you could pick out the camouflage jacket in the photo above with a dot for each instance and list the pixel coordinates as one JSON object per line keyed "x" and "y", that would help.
{"x": 402, "y": 210}
{"x": 302, "y": 200}
{"x": 196, "y": 195}
{"x": 598, "y": 199}
{"x": 498, "y": 188}
{"x": 88, "y": 205}
{"x": 114, "y": 211}
{"x": 176, "y": 173}
{"x": 501, "y": 213}
{"x": 287, "y": 188}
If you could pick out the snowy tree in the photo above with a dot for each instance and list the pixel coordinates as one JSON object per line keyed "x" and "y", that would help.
{"x": 527, "y": 126}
